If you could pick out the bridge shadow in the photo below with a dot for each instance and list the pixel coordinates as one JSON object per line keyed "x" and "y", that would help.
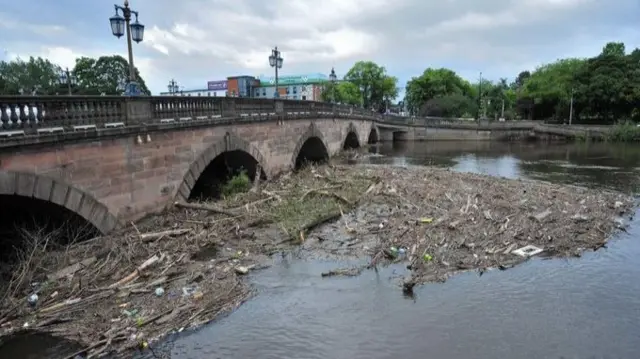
{"x": 351, "y": 142}
{"x": 221, "y": 170}
{"x": 374, "y": 137}
{"x": 31, "y": 225}
{"x": 313, "y": 151}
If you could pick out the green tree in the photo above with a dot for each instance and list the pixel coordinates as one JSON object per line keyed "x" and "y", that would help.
{"x": 105, "y": 75}
{"x": 604, "y": 88}
{"x": 550, "y": 88}
{"x": 455, "y": 105}
{"x": 436, "y": 83}
{"x": 36, "y": 75}
{"x": 376, "y": 87}
{"x": 613, "y": 49}
{"x": 342, "y": 92}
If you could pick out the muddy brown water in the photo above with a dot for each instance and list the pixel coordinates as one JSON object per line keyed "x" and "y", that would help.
{"x": 587, "y": 307}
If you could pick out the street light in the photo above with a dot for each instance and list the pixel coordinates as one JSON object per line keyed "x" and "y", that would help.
{"x": 173, "y": 87}
{"x": 120, "y": 26}
{"x": 275, "y": 61}
{"x": 333, "y": 78}
{"x": 67, "y": 78}
{"x": 479, "y": 96}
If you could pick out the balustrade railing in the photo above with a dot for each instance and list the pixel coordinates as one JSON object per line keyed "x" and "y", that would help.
{"x": 31, "y": 115}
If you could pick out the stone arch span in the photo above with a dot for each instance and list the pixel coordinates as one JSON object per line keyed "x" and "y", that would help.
{"x": 49, "y": 191}
{"x": 230, "y": 148}
{"x": 352, "y": 139}
{"x": 374, "y": 134}
{"x": 311, "y": 147}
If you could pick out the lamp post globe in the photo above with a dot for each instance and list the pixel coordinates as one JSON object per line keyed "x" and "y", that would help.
{"x": 117, "y": 25}
{"x": 332, "y": 75}
{"x": 63, "y": 77}
{"x": 137, "y": 31}
{"x": 272, "y": 60}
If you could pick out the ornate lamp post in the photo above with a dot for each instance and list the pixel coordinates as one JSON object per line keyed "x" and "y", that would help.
{"x": 173, "y": 87}
{"x": 275, "y": 61}
{"x": 333, "y": 78}
{"x": 67, "y": 78}
{"x": 480, "y": 103}
{"x": 121, "y": 25}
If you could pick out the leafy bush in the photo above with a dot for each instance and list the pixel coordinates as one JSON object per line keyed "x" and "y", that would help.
{"x": 237, "y": 184}
{"x": 624, "y": 131}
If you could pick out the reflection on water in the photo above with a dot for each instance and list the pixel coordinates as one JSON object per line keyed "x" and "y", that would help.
{"x": 575, "y": 308}
{"x": 598, "y": 165}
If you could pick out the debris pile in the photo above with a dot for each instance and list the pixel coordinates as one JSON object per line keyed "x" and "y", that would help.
{"x": 440, "y": 222}
{"x": 168, "y": 272}
{"x": 183, "y": 268}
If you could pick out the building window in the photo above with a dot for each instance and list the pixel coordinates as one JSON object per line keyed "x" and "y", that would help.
{"x": 287, "y": 90}
{"x": 295, "y": 97}
{"x": 295, "y": 89}
{"x": 257, "y": 93}
{"x": 304, "y": 97}
{"x": 264, "y": 92}
{"x": 233, "y": 93}
{"x": 304, "y": 88}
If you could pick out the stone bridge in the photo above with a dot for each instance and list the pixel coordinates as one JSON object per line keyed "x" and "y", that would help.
{"x": 115, "y": 159}
{"x": 112, "y": 160}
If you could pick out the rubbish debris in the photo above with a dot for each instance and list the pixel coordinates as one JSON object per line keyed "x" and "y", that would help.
{"x": 542, "y": 215}
{"x": 527, "y": 251}
{"x": 32, "y": 300}
{"x": 347, "y": 272}
{"x": 579, "y": 218}
{"x": 242, "y": 270}
{"x": 159, "y": 292}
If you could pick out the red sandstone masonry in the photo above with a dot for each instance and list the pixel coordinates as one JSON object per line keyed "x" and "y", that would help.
{"x": 115, "y": 181}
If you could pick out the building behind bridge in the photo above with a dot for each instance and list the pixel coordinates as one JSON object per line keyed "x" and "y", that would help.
{"x": 307, "y": 87}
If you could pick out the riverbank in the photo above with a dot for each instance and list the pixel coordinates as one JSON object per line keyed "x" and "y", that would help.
{"x": 437, "y": 221}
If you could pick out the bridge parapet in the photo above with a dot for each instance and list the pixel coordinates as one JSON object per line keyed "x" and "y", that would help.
{"x": 53, "y": 118}
{"x": 43, "y": 115}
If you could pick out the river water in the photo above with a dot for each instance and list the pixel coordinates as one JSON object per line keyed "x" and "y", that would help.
{"x": 562, "y": 308}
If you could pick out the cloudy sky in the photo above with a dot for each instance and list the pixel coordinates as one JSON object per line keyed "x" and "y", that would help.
{"x": 195, "y": 41}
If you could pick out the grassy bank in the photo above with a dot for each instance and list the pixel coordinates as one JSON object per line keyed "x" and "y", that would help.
{"x": 626, "y": 131}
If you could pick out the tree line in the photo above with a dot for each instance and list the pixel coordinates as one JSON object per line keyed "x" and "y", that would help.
{"x": 90, "y": 76}
{"x": 600, "y": 89}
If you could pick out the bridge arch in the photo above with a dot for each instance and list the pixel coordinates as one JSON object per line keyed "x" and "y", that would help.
{"x": 311, "y": 147}
{"x": 41, "y": 192}
{"x": 218, "y": 162}
{"x": 374, "y": 134}
{"x": 352, "y": 140}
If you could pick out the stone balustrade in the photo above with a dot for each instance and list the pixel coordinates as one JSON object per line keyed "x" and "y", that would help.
{"x": 37, "y": 115}
{"x": 46, "y": 115}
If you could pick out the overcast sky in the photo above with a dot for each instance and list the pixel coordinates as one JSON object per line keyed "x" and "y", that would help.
{"x": 195, "y": 41}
